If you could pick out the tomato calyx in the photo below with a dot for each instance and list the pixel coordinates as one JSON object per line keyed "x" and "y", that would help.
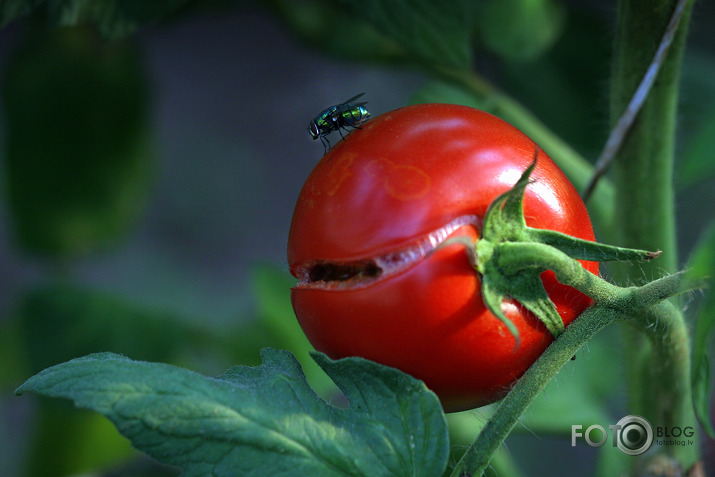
{"x": 511, "y": 256}
{"x": 350, "y": 274}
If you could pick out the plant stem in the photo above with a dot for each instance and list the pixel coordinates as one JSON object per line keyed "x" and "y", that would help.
{"x": 670, "y": 376}
{"x": 476, "y": 459}
{"x": 662, "y": 323}
{"x": 643, "y": 176}
{"x": 643, "y": 169}
{"x": 620, "y": 131}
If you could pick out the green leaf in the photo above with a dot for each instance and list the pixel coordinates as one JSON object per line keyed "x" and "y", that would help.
{"x": 261, "y": 420}
{"x": 701, "y": 266}
{"x": 438, "y": 33}
{"x": 521, "y": 30}
{"x": 56, "y": 322}
{"x": 79, "y": 158}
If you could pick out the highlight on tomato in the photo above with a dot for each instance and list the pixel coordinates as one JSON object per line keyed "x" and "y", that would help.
{"x": 375, "y": 277}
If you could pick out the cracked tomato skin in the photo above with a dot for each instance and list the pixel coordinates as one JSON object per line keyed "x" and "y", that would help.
{"x": 391, "y": 183}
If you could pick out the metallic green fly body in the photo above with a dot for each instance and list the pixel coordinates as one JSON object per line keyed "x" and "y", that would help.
{"x": 336, "y": 118}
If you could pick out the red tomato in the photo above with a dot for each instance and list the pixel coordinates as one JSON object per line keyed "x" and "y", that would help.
{"x": 363, "y": 244}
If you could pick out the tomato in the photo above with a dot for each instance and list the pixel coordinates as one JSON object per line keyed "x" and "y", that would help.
{"x": 365, "y": 245}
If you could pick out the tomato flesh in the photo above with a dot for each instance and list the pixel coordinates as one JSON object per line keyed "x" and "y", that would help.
{"x": 373, "y": 278}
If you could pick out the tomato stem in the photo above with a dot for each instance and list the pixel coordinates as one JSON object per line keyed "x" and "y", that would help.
{"x": 477, "y": 457}
{"x": 658, "y": 318}
{"x": 669, "y": 378}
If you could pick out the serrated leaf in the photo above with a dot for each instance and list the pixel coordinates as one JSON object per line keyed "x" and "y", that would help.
{"x": 57, "y": 322}
{"x": 261, "y": 420}
{"x": 701, "y": 266}
{"x": 437, "y": 32}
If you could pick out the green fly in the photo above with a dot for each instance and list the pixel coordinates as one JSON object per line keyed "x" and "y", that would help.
{"x": 336, "y": 118}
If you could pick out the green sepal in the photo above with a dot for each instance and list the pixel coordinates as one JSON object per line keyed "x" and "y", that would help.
{"x": 506, "y": 262}
{"x": 526, "y": 288}
{"x": 586, "y": 250}
{"x": 493, "y": 297}
{"x": 504, "y": 220}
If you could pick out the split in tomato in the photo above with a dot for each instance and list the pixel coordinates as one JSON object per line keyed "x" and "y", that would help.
{"x": 367, "y": 246}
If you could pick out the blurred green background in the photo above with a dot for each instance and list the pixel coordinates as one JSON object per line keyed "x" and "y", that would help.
{"x": 151, "y": 159}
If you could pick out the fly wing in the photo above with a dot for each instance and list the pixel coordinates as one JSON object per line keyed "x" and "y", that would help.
{"x": 353, "y": 98}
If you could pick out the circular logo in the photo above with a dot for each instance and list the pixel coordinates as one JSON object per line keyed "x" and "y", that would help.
{"x": 634, "y": 435}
